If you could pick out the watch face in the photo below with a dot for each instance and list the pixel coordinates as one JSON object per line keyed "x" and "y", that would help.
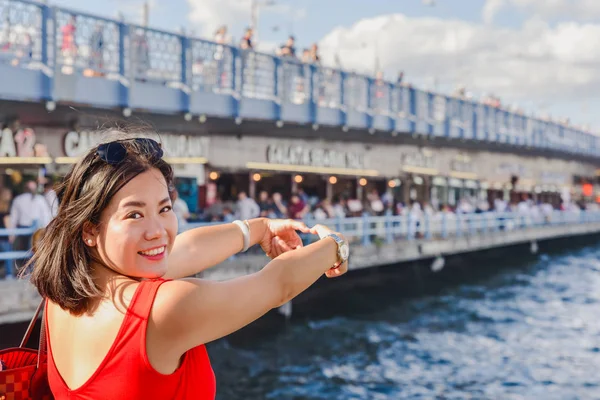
{"x": 344, "y": 251}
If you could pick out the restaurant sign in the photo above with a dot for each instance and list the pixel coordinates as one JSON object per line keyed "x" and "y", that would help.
{"x": 314, "y": 157}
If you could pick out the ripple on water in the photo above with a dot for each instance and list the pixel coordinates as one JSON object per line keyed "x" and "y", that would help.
{"x": 531, "y": 332}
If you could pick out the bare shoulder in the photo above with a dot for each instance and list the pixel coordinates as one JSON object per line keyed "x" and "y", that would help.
{"x": 172, "y": 301}
{"x": 190, "y": 312}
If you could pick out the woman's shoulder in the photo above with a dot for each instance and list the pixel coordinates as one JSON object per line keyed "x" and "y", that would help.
{"x": 120, "y": 299}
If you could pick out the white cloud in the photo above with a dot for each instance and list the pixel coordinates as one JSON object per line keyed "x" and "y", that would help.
{"x": 586, "y": 10}
{"x": 210, "y": 14}
{"x": 534, "y": 64}
{"x": 490, "y": 9}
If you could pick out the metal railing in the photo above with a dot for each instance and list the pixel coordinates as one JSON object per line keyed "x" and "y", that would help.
{"x": 367, "y": 231}
{"x": 37, "y": 36}
{"x": 8, "y": 256}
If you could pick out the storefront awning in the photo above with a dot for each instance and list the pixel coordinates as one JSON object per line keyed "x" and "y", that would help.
{"x": 463, "y": 175}
{"x": 311, "y": 169}
{"x": 25, "y": 160}
{"x": 420, "y": 170}
{"x": 170, "y": 160}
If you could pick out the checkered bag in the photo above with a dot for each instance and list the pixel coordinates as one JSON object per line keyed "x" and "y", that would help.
{"x": 24, "y": 372}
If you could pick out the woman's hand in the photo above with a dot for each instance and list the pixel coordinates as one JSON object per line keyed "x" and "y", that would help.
{"x": 336, "y": 270}
{"x": 281, "y": 236}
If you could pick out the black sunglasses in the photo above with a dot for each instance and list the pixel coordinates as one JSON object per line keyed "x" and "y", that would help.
{"x": 115, "y": 152}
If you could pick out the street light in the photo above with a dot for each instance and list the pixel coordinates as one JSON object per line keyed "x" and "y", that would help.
{"x": 457, "y": 74}
{"x": 255, "y": 6}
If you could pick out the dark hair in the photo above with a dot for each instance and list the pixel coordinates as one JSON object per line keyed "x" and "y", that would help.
{"x": 62, "y": 262}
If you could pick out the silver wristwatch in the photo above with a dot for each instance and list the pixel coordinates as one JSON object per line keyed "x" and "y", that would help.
{"x": 343, "y": 248}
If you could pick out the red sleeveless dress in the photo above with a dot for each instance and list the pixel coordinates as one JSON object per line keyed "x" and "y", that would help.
{"x": 125, "y": 373}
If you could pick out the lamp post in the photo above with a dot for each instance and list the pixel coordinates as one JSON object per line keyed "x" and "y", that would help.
{"x": 432, "y": 3}
{"x": 255, "y": 6}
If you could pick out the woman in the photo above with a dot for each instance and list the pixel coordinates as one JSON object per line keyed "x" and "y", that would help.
{"x": 122, "y": 320}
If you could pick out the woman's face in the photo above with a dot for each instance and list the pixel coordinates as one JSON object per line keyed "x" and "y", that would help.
{"x": 138, "y": 228}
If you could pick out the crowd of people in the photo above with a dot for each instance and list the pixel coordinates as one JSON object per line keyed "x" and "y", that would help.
{"x": 301, "y": 205}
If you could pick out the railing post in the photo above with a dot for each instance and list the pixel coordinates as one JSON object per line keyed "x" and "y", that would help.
{"x": 370, "y": 112}
{"x": 444, "y": 224}
{"x": 338, "y": 224}
{"x": 234, "y": 59}
{"x": 365, "y": 229}
{"x": 279, "y": 101}
{"x": 185, "y": 95}
{"x": 343, "y": 107}
{"x": 485, "y": 222}
{"x": 389, "y": 223}
{"x": 123, "y": 87}
{"x": 47, "y": 80}
{"x": 311, "y": 94}
{"x": 427, "y": 227}
{"x": 388, "y": 97}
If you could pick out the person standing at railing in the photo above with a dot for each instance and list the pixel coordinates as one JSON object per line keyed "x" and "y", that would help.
{"x": 181, "y": 210}
{"x": 140, "y": 55}
{"x": 96, "y": 47}
{"x": 288, "y": 49}
{"x": 222, "y": 39}
{"x": 122, "y": 320}
{"x": 267, "y": 208}
{"x": 69, "y": 45}
{"x": 28, "y": 209}
{"x": 5, "y": 199}
{"x": 280, "y": 209}
{"x": 247, "y": 43}
{"x": 247, "y": 208}
{"x": 314, "y": 54}
{"x": 248, "y": 62}
{"x": 297, "y": 209}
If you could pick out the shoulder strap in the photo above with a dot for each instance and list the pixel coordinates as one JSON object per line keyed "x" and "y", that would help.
{"x": 142, "y": 302}
{"x": 42, "y": 344}
{"x": 39, "y": 309}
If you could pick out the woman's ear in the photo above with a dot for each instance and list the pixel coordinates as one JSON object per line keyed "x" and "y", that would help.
{"x": 90, "y": 234}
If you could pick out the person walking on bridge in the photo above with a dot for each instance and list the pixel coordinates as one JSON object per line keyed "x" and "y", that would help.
{"x": 123, "y": 321}
{"x": 28, "y": 209}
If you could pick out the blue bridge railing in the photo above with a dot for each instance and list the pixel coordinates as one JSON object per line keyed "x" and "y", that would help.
{"x": 58, "y": 55}
{"x": 367, "y": 231}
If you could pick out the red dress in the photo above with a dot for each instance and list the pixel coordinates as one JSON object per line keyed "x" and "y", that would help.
{"x": 125, "y": 373}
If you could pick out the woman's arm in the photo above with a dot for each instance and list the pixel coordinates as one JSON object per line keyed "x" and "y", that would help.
{"x": 190, "y": 312}
{"x": 201, "y": 248}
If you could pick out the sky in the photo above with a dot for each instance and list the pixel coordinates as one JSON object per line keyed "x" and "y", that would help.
{"x": 538, "y": 55}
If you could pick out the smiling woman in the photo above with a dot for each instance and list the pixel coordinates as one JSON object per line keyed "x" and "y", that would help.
{"x": 122, "y": 320}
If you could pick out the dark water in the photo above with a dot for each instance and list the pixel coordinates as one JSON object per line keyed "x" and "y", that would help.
{"x": 530, "y": 331}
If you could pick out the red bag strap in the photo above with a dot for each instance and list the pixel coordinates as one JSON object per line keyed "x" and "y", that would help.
{"x": 39, "y": 309}
{"x": 42, "y": 344}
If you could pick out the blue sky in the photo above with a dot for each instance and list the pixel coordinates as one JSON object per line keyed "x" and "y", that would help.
{"x": 538, "y": 55}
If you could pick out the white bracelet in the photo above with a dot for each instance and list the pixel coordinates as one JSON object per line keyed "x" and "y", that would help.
{"x": 245, "y": 228}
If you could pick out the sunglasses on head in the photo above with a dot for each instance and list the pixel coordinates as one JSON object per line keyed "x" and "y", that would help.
{"x": 115, "y": 152}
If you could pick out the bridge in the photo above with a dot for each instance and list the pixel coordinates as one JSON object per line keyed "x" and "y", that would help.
{"x": 143, "y": 70}
{"x": 379, "y": 241}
